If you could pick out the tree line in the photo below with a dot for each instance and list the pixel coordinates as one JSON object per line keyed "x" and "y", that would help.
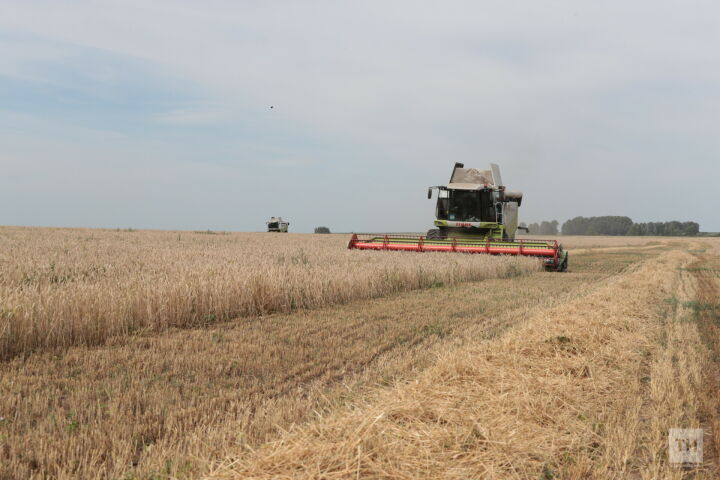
{"x": 614, "y": 225}
{"x": 543, "y": 228}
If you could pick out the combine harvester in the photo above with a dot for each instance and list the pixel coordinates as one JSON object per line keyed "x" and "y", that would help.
{"x": 277, "y": 224}
{"x": 474, "y": 214}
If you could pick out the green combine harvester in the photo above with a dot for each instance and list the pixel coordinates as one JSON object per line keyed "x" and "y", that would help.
{"x": 474, "y": 214}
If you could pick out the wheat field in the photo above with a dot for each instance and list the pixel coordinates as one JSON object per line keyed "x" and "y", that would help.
{"x": 66, "y": 287}
{"x": 179, "y": 355}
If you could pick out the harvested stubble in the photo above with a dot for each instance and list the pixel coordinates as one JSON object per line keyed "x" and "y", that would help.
{"x": 585, "y": 390}
{"x": 65, "y": 287}
{"x": 173, "y": 403}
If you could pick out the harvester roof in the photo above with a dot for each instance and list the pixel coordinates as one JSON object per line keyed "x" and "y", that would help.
{"x": 467, "y": 186}
{"x": 473, "y": 178}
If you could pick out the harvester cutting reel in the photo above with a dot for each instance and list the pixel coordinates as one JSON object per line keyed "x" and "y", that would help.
{"x": 554, "y": 258}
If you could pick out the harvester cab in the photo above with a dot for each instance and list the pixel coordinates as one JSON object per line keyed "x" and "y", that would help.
{"x": 277, "y": 224}
{"x": 474, "y": 214}
{"x": 475, "y": 203}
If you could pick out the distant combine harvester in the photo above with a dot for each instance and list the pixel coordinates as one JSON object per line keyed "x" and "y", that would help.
{"x": 277, "y": 224}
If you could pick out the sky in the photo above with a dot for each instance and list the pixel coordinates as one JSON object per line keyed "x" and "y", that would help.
{"x": 137, "y": 114}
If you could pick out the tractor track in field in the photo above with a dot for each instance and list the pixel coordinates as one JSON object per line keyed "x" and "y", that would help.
{"x": 706, "y": 272}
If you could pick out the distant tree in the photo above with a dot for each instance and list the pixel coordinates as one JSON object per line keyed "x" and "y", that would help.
{"x": 549, "y": 228}
{"x": 576, "y": 226}
{"x": 673, "y": 228}
{"x": 607, "y": 225}
{"x": 638, "y": 229}
{"x": 610, "y": 225}
{"x": 322, "y": 230}
{"x": 691, "y": 228}
{"x": 542, "y": 228}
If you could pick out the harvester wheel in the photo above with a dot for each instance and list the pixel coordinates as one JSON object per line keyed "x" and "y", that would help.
{"x": 564, "y": 266}
{"x": 434, "y": 234}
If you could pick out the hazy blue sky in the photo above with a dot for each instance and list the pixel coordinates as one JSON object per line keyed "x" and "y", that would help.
{"x": 155, "y": 114}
